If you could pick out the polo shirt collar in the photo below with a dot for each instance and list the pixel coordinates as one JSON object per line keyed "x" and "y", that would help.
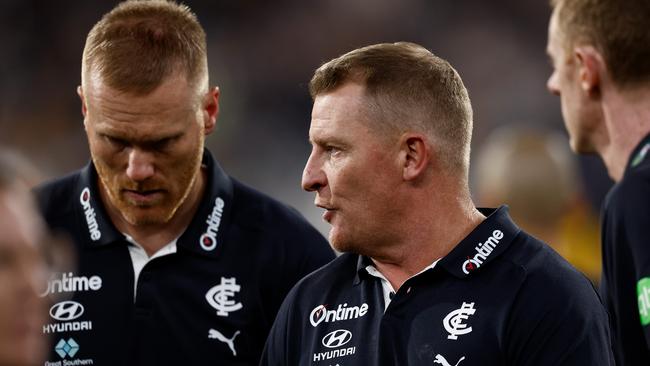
{"x": 205, "y": 234}
{"x": 639, "y": 154}
{"x": 485, "y": 243}
{"x": 362, "y": 262}
{"x": 97, "y": 228}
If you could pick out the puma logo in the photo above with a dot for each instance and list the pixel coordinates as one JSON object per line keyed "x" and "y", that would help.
{"x": 215, "y": 334}
{"x": 441, "y": 360}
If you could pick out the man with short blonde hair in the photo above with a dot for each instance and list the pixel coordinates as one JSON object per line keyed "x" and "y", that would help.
{"x": 135, "y": 46}
{"x": 179, "y": 263}
{"x": 600, "y": 51}
{"x": 426, "y": 278}
{"x": 618, "y": 30}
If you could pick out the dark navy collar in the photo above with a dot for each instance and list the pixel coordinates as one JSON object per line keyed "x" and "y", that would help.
{"x": 96, "y": 226}
{"x": 204, "y": 235}
{"x": 362, "y": 262}
{"x": 639, "y": 154}
{"x": 485, "y": 243}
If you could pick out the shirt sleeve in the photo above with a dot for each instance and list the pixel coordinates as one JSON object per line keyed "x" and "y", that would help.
{"x": 558, "y": 319}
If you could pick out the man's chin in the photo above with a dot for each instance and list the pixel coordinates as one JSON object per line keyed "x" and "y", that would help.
{"x": 341, "y": 244}
{"x": 145, "y": 216}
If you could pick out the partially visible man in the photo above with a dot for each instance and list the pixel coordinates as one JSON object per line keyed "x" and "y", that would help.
{"x": 22, "y": 272}
{"x": 600, "y": 51}
{"x": 178, "y": 263}
{"x": 427, "y": 278}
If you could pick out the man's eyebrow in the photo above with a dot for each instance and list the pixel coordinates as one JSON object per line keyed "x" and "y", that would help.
{"x": 110, "y": 135}
{"x": 148, "y": 140}
{"x": 319, "y": 140}
{"x": 328, "y": 140}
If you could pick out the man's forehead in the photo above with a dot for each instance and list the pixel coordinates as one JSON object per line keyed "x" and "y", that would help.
{"x": 135, "y": 132}
{"x": 161, "y": 114}
{"x": 319, "y": 131}
{"x": 110, "y": 100}
{"x": 173, "y": 89}
{"x": 326, "y": 124}
{"x": 555, "y": 35}
{"x": 346, "y": 102}
{"x": 342, "y": 129}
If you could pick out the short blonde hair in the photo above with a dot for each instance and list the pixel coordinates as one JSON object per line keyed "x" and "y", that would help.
{"x": 617, "y": 28}
{"x": 413, "y": 90}
{"x": 138, "y": 44}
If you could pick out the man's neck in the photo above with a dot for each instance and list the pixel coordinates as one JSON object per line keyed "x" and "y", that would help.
{"x": 427, "y": 243}
{"x": 627, "y": 119}
{"x": 155, "y": 236}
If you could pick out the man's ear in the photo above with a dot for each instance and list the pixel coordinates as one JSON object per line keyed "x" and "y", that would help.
{"x": 210, "y": 109}
{"x": 591, "y": 69}
{"x": 414, "y": 155}
{"x": 80, "y": 93}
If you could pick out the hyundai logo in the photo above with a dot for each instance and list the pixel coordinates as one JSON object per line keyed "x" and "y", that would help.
{"x": 66, "y": 310}
{"x": 337, "y": 338}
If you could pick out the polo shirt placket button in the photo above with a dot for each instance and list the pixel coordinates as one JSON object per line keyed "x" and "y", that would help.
{"x": 144, "y": 295}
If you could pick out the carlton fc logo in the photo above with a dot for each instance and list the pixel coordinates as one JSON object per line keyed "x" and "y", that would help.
{"x": 220, "y": 296}
{"x": 454, "y": 322}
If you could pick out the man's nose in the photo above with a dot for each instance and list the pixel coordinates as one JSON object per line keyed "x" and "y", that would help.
{"x": 313, "y": 177}
{"x": 140, "y": 166}
{"x": 551, "y": 84}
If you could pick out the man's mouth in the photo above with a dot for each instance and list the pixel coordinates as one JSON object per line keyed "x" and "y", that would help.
{"x": 329, "y": 210}
{"x": 142, "y": 197}
{"x": 328, "y": 214}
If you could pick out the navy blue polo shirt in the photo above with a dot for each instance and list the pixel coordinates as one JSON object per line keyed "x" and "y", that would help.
{"x": 500, "y": 297}
{"x": 210, "y": 303}
{"x": 625, "y": 283}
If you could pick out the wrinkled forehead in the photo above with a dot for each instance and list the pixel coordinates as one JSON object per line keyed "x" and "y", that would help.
{"x": 174, "y": 88}
{"x": 166, "y": 110}
{"x": 352, "y": 109}
{"x": 341, "y": 108}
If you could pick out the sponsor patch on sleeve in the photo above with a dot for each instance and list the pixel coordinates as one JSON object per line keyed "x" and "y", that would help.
{"x": 643, "y": 293}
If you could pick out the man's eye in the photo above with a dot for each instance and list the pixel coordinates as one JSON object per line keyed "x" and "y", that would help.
{"x": 332, "y": 150}
{"x": 162, "y": 144}
{"x": 115, "y": 142}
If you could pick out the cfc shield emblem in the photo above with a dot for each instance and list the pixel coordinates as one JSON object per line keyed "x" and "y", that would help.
{"x": 220, "y": 296}
{"x": 454, "y": 322}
